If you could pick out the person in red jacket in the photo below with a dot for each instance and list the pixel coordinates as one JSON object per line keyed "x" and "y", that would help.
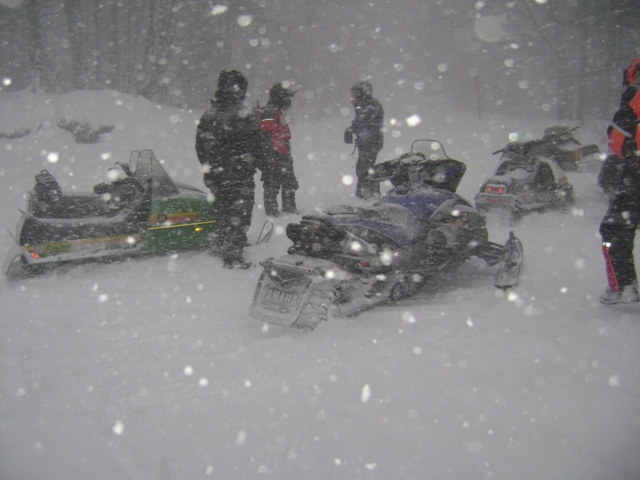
{"x": 618, "y": 227}
{"x": 278, "y": 171}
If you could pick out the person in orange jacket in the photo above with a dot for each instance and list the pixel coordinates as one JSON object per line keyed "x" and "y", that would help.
{"x": 618, "y": 227}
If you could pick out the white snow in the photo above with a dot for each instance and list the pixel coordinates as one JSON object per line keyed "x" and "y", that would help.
{"x": 153, "y": 369}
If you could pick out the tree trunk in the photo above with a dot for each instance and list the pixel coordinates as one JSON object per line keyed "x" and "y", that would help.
{"x": 36, "y": 61}
{"x": 75, "y": 43}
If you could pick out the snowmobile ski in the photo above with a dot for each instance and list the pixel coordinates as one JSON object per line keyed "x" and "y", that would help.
{"x": 265, "y": 233}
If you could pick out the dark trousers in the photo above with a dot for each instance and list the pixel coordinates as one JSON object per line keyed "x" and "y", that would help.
{"x": 233, "y": 209}
{"x": 280, "y": 176}
{"x": 618, "y": 230}
{"x": 366, "y": 188}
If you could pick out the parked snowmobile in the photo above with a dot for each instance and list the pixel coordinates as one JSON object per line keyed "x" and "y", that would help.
{"x": 526, "y": 180}
{"x": 348, "y": 259}
{"x": 141, "y": 211}
{"x": 559, "y": 144}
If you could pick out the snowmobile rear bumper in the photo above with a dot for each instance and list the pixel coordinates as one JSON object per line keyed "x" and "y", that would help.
{"x": 302, "y": 291}
{"x": 487, "y": 202}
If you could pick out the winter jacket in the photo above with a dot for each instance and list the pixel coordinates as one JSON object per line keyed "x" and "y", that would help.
{"x": 624, "y": 134}
{"x": 624, "y": 140}
{"x": 272, "y": 121}
{"x": 367, "y": 126}
{"x": 229, "y": 141}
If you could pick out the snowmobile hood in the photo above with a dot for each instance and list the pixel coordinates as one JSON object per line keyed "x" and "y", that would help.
{"x": 421, "y": 202}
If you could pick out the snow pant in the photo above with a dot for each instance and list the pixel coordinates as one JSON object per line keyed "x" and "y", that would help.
{"x": 233, "y": 208}
{"x": 367, "y": 156}
{"x": 618, "y": 230}
{"x": 280, "y": 176}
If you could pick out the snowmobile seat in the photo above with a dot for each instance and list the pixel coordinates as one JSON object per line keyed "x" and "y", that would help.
{"x": 104, "y": 202}
{"x": 85, "y": 217}
{"x": 82, "y": 205}
{"x": 48, "y": 201}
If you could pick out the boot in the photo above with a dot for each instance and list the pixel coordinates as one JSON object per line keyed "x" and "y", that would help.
{"x": 271, "y": 202}
{"x": 628, "y": 294}
{"x": 289, "y": 201}
{"x": 241, "y": 264}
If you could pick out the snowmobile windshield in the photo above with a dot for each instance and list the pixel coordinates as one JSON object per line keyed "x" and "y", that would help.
{"x": 431, "y": 149}
{"x": 146, "y": 167}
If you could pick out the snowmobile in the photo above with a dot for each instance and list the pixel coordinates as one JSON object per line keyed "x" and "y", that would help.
{"x": 139, "y": 210}
{"x": 559, "y": 144}
{"x": 348, "y": 259}
{"x": 526, "y": 180}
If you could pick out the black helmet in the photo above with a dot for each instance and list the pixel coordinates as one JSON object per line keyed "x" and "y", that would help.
{"x": 280, "y": 96}
{"x": 361, "y": 90}
{"x": 232, "y": 86}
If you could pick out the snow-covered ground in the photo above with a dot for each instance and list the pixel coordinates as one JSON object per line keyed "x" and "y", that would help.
{"x": 152, "y": 368}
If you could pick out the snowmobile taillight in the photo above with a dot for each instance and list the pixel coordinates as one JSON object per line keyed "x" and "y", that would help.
{"x": 31, "y": 250}
{"x": 495, "y": 190}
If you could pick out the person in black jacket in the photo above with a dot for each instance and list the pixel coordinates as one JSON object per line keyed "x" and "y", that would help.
{"x": 618, "y": 227}
{"x": 367, "y": 128}
{"x": 278, "y": 173}
{"x": 229, "y": 148}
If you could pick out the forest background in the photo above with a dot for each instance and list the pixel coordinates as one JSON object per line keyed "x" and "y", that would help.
{"x": 561, "y": 58}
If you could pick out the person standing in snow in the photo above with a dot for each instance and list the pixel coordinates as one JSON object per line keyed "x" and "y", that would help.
{"x": 367, "y": 128}
{"x": 229, "y": 148}
{"x": 618, "y": 227}
{"x": 278, "y": 173}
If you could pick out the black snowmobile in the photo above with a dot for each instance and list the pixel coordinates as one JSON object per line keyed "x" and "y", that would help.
{"x": 348, "y": 259}
{"x": 559, "y": 144}
{"x": 526, "y": 180}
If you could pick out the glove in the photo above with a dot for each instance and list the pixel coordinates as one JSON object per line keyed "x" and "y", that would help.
{"x": 348, "y": 136}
